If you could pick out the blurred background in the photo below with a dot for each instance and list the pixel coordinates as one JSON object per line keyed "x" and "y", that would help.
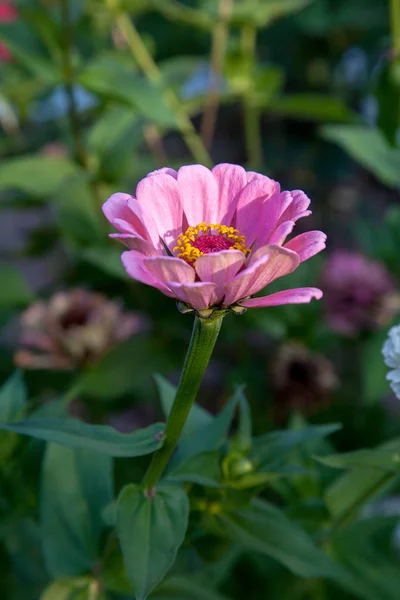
{"x": 95, "y": 94}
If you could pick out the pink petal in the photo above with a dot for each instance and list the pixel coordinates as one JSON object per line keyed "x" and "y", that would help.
{"x": 133, "y": 264}
{"x": 231, "y": 179}
{"x": 281, "y": 233}
{"x": 116, "y": 207}
{"x": 297, "y": 207}
{"x": 166, "y": 170}
{"x": 250, "y": 207}
{"x": 307, "y": 244}
{"x": 161, "y": 205}
{"x": 169, "y": 269}
{"x": 198, "y": 295}
{"x": 220, "y": 268}
{"x": 134, "y": 242}
{"x": 294, "y": 296}
{"x": 200, "y": 194}
{"x": 269, "y": 263}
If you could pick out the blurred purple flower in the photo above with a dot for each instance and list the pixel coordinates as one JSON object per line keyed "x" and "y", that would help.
{"x": 359, "y": 293}
{"x": 72, "y": 329}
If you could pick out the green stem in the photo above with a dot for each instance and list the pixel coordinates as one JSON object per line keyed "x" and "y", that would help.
{"x": 204, "y": 336}
{"x": 252, "y": 114}
{"x": 153, "y": 74}
{"x": 218, "y": 49}
{"x": 395, "y": 26}
{"x": 68, "y": 76}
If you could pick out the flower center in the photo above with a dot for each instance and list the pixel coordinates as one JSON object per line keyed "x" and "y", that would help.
{"x": 204, "y": 239}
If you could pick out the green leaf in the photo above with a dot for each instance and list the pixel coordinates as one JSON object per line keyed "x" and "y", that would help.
{"x": 184, "y": 588}
{"x": 107, "y": 77}
{"x": 262, "y": 12}
{"x": 64, "y": 589}
{"x": 127, "y": 367}
{"x": 208, "y": 438}
{"x": 198, "y": 416}
{"x": 14, "y": 291}
{"x": 75, "y": 486}
{"x": 349, "y": 492}
{"x": 241, "y": 442}
{"x": 384, "y": 459}
{"x": 24, "y": 48}
{"x": 203, "y": 469}
{"x": 150, "y": 531}
{"x": 78, "y": 214}
{"x": 39, "y": 176}
{"x": 368, "y": 146}
{"x": 314, "y": 107}
{"x": 264, "y": 528}
{"x": 362, "y": 548}
{"x": 108, "y": 259}
{"x": 13, "y": 397}
{"x": 98, "y": 438}
{"x": 272, "y": 448}
{"x": 111, "y": 128}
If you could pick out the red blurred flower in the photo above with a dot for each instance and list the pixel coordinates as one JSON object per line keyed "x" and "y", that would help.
{"x": 8, "y": 14}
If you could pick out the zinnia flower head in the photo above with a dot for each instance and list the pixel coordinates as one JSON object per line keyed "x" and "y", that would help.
{"x": 359, "y": 293}
{"x": 8, "y": 14}
{"x": 72, "y": 329}
{"x": 213, "y": 238}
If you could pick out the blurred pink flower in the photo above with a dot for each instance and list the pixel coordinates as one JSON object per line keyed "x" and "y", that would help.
{"x": 213, "y": 239}
{"x": 72, "y": 329}
{"x": 8, "y": 14}
{"x": 359, "y": 293}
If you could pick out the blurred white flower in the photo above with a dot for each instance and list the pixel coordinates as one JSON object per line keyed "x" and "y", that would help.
{"x": 391, "y": 355}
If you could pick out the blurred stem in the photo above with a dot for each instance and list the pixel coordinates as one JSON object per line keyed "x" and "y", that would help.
{"x": 153, "y": 74}
{"x": 68, "y": 77}
{"x": 218, "y": 49}
{"x": 204, "y": 336}
{"x": 395, "y": 26}
{"x": 155, "y": 144}
{"x": 252, "y": 114}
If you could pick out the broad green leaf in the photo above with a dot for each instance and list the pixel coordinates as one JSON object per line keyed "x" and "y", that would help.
{"x": 262, "y": 12}
{"x": 208, "y": 438}
{"x": 25, "y": 50}
{"x": 112, "y": 80}
{"x": 384, "y": 459}
{"x": 203, "y": 469}
{"x": 315, "y": 107}
{"x": 272, "y": 448}
{"x": 363, "y": 549}
{"x": 111, "y": 128}
{"x": 97, "y": 438}
{"x": 125, "y": 368}
{"x": 108, "y": 259}
{"x": 198, "y": 416}
{"x": 264, "y": 528}
{"x": 184, "y": 588}
{"x": 351, "y": 491}
{"x": 150, "y": 531}
{"x": 368, "y": 146}
{"x": 14, "y": 291}
{"x": 39, "y": 176}
{"x": 78, "y": 212}
{"x": 75, "y": 486}
{"x": 241, "y": 441}
{"x": 13, "y": 397}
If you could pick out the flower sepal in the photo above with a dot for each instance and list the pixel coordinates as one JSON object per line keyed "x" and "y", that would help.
{"x": 212, "y": 313}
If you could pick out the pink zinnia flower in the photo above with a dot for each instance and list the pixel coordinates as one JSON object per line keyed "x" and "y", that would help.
{"x": 8, "y": 14}
{"x": 213, "y": 239}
